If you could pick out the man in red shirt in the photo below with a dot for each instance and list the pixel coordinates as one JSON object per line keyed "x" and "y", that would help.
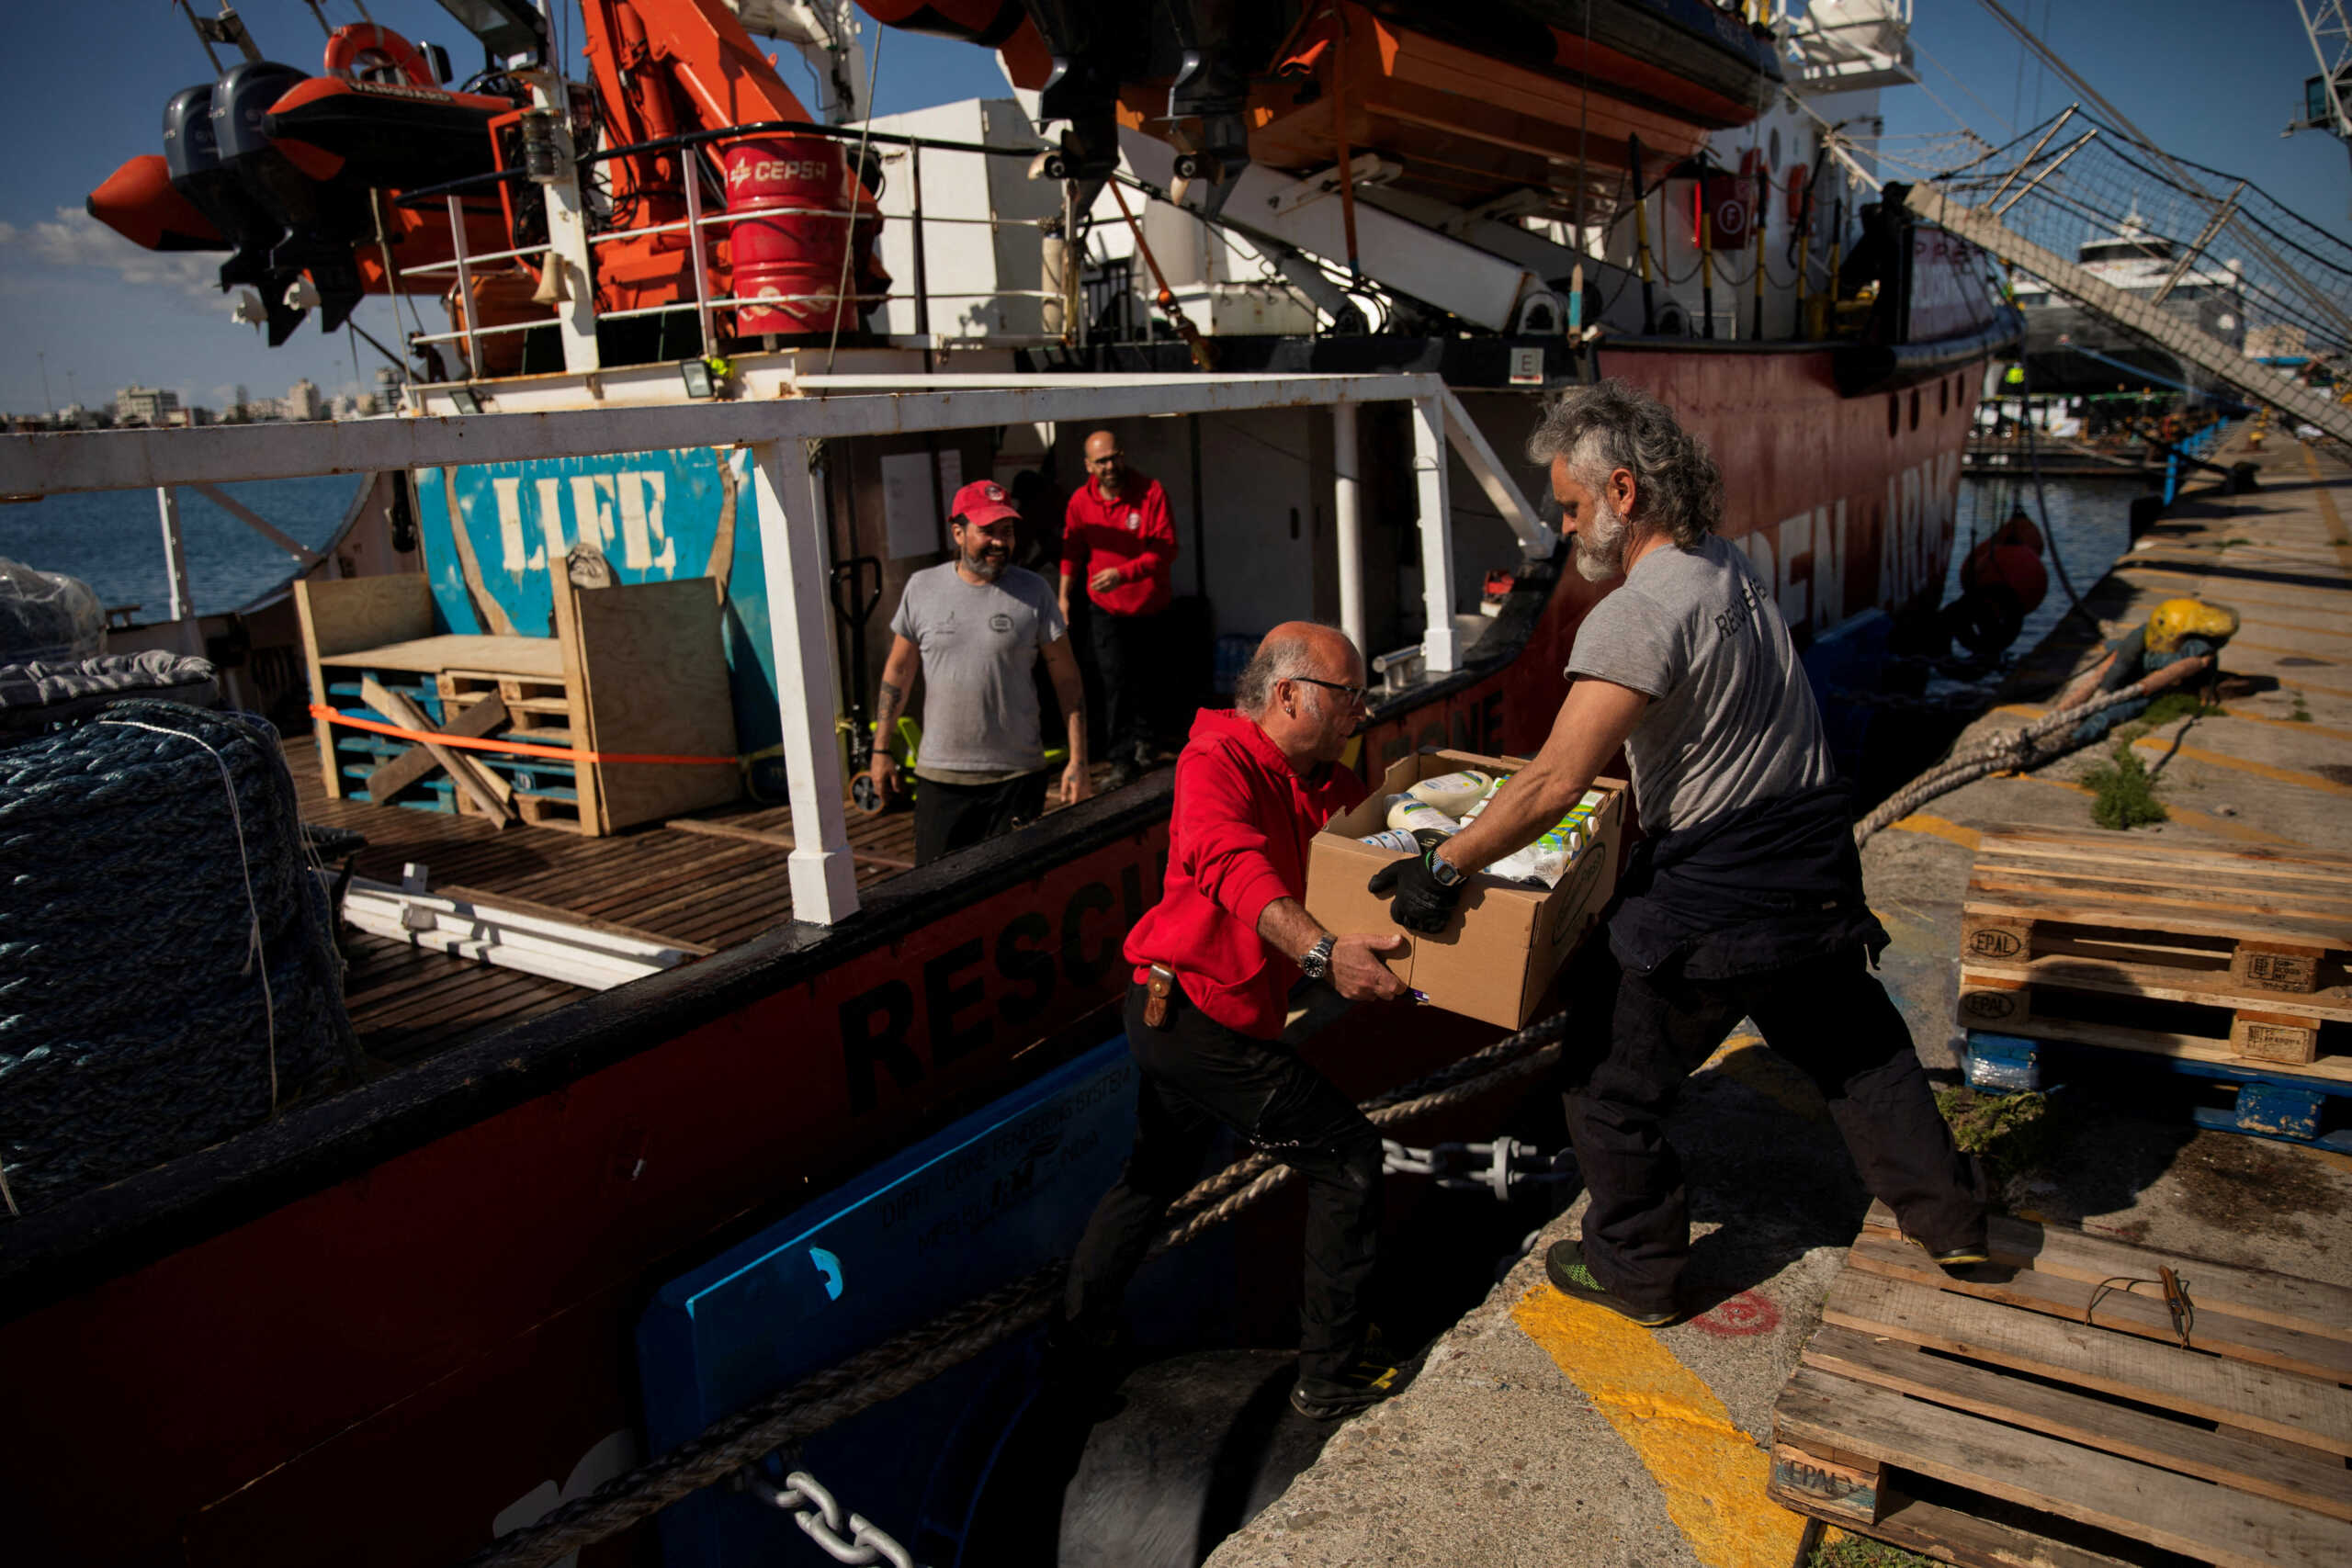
{"x": 1116, "y": 532}
{"x": 1253, "y": 785}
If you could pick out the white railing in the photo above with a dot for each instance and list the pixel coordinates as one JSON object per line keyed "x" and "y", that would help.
{"x": 695, "y": 224}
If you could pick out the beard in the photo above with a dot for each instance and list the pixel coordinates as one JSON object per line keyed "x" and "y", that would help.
{"x": 1600, "y": 544}
{"x": 989, "y": 564}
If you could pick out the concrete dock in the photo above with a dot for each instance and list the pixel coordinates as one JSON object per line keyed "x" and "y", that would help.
{"x": 1544, "y": 1431}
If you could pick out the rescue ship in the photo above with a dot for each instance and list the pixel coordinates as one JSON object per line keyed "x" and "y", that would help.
{"x": 428, "y": 1286}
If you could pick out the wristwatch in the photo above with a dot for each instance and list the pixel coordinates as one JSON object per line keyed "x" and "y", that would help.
{"x": 1444, "y": 873}
{"x": 1317, "y": 960}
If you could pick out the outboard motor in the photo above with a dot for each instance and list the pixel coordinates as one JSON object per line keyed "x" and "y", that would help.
{"x": 192, "y": 158}
{"x": 315, "y": 220}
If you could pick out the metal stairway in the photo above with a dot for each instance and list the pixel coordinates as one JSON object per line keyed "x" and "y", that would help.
{"x": 2258, "y": 381}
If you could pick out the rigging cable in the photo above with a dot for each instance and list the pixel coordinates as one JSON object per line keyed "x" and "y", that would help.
{"x": 849, "y": 249}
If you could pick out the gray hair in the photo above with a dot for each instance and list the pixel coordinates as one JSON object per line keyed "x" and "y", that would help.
{"x": 1610, "y": 426}
{"x": 1287, "y": 653}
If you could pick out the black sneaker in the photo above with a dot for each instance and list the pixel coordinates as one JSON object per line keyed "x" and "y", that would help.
{"x": 1123, "y": 773}
{"x": 1957, "y": 1260}
{"x": 1563, "y": 1265}
{"x": 1363, "y": 1383}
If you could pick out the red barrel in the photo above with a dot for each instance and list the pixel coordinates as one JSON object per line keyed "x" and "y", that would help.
{"x": 792, "y": 252}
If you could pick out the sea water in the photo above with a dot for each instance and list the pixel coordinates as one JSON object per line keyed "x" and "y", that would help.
{"x": 2090, "y": 524}
{"x": 113, "y": 540}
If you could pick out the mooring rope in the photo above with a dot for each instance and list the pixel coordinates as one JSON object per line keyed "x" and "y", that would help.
{"x": 2017, "y": 749}
{"x": 892, "y": 1368}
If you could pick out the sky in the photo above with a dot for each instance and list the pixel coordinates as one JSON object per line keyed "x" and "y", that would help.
{"x": 89, "y": 80}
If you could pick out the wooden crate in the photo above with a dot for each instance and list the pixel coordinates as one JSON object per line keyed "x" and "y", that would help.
{"x": 632, "y": 670}
{"x": 2128, "y": 942}
{"x": 2046, "y": 1411}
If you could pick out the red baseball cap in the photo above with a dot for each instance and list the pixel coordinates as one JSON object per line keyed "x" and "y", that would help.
{"x": 982, "y": 502}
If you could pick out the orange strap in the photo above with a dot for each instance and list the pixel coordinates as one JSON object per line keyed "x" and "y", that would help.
{"x": 518, "y": 747}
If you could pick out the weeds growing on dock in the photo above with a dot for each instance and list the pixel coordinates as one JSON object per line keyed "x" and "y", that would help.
{"x": 2125, "y": 791}
{"x": 2010, "y": 1132}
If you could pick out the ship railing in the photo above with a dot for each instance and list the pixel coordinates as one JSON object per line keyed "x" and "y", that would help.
{"x": 697, "y": 223}
{"x": 776, "y": 433}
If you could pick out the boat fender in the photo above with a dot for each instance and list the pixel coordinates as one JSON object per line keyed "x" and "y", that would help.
{"x": 367, "y": 51}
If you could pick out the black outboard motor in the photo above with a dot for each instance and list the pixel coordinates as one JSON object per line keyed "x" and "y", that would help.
{"x": 193, "y": 160}
{"x": 317, "y": 220}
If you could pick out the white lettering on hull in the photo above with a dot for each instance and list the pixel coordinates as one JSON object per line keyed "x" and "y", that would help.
{"x": 1803, "y": 558}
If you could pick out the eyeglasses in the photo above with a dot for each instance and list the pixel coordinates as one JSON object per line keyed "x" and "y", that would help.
{"x": 1354, "y": 695}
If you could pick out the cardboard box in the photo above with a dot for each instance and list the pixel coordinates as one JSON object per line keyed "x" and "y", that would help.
{"x": 1493, "y": 963}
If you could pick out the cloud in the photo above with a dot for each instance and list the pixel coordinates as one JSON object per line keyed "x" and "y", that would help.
{"x": 74, "y": 242}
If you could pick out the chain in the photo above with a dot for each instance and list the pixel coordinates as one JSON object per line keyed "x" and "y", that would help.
{"x": 1507, "y": 1162}
{"x": 818, "y": 1515}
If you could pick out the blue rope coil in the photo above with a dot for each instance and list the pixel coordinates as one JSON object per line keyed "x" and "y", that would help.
{"x": 135, "y": 1021}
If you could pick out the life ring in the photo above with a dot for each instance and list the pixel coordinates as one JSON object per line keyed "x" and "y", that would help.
{"x": 365, "y": 50}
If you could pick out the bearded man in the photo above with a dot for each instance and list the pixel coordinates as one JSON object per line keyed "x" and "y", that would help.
{"x": 1747, "y": 898}
{"x": 977, "y": 627}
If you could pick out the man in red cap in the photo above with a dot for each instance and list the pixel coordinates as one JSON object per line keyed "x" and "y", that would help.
{"x": 1116, "y": 535}
{"x": 976, "y": 626}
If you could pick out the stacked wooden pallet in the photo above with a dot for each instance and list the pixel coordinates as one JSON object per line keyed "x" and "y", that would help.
{"x": 2046, "y": 1412}
{"x": 2228, "y": 964}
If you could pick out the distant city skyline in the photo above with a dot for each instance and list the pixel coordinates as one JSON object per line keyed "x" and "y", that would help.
{"x": 106, "y": 314}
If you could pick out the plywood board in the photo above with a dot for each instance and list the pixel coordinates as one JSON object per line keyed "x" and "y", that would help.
{"x": 363, "y": 612}
{"x": 653, "y": 680}
{"x": 537, "y": 657}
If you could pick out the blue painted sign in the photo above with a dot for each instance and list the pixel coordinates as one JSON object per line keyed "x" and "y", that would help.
{"x": 991, "y": 1199}
{"x": 656, "y": 517}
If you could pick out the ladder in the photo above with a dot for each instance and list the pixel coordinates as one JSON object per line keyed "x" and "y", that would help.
{"x": 2258, "y": 381}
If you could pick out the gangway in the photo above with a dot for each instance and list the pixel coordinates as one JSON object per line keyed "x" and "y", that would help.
{"x": 2174, "y": 335}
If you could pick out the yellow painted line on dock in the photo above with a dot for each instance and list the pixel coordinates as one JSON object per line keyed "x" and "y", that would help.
{"x": 1710, "y": 1474}
{"x": 2220, "y": 827}
{"x": 2272, "y": 647}
{"x": 1936, "y": 828}
{"x": 2336, "y": 537}
{"x": 2246, "y": 765}
{"x": 2299, "y": 726}
{"x": 1748, "y": 1059}
{"x": 2313, "y": 686}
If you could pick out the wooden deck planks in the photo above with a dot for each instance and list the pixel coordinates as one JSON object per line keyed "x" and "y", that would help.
{"x": 708, "y": 890}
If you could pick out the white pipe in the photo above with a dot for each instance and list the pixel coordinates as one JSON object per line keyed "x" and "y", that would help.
{"x": 823, "y": 877}
{"x": 167, "y": 502}
{"x": 1347, "y": 510}
{"x": 1440, "y": 650}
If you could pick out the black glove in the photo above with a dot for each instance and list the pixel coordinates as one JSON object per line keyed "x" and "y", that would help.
{"x": 1422, "y": 903}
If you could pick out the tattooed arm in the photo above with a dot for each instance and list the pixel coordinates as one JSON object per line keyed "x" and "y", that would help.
{"x": 898, "y": 674}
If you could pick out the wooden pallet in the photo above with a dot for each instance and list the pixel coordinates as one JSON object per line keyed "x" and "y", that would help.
{"x": 2274, "y": 922}
{"x": 2045, "y": 1413}
{"x": 2218, "y": 954}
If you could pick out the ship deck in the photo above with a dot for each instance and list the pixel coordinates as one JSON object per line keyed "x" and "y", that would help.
{"x": 684, "y": 887}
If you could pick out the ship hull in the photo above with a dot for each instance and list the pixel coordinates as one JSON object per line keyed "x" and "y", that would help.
{"x": 424, "y": 1290}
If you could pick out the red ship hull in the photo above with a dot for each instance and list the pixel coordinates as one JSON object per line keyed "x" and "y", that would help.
{"x": 366, "y": 1332}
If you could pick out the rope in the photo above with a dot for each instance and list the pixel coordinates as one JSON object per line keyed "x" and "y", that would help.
{"x": 2016, "y": 750}
{"x": 914, "y": 1358}
{"x": 140, "y": 1017}
{"x": 256, "y": 955}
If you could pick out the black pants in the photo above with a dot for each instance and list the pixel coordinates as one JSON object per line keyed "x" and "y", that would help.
{"x": 1636, "y": 1038}
{"x": 1127, "y": 652}
{"x": 954, "y": 816}
{"x": 1196, "y": 1074}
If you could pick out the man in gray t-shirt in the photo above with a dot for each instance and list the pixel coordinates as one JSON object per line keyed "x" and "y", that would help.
{"x": 976, "y": 628}
{"x": 1746, "y": 898}
{"x": 1730, "y": 719}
